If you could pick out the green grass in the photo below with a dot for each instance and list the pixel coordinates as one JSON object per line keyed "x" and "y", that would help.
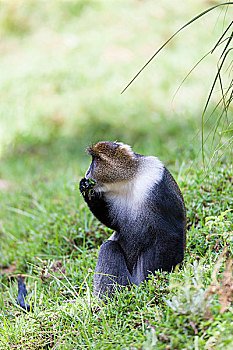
{"x": 60, "y": 91}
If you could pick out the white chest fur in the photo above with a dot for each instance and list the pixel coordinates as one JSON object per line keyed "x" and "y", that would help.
{"x": 127, "y": 197}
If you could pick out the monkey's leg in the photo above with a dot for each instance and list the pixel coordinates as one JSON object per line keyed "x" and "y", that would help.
{"x": 111, "y": 271}
{"x": 163, "y": 255}
{"x": 170, "y": 253}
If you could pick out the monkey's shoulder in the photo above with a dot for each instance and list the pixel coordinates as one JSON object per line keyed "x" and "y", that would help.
{"x": 154, "y": 179}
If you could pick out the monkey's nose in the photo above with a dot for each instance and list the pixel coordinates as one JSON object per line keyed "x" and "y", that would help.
{"x": 88, "y": 175}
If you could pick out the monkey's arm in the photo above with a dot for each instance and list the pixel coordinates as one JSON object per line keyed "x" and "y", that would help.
{"x": 168, "y": 201}
{"x": 96, "y": 203}
{"x": 169, "y": 223}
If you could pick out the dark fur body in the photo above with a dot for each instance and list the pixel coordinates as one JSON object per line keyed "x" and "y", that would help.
{"x": 148, "y": 236}
{"x": 137, "y": 197}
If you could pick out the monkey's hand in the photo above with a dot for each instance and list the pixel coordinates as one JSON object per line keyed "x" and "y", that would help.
{"x": 96, "y": 202}
{"x": 86, "y": 187}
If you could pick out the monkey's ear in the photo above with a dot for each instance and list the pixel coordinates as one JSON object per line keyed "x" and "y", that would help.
{"x": 126, "y": 149}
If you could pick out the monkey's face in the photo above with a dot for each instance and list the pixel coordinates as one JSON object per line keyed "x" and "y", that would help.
{"x": 111, "y": 162}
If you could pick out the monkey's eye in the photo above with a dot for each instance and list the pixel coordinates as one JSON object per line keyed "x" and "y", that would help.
{"x": 97, "y": 160}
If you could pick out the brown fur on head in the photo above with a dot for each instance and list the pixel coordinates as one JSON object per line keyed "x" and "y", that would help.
{"x": 111, "y": 162}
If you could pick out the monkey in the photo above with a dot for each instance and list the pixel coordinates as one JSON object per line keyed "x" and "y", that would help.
{"x": 137, "y": 197}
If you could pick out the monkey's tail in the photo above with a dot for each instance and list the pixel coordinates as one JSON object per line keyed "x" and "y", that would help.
{"x": 22, "y": 292}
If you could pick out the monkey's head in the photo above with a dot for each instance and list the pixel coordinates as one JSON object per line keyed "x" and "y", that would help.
{"x": 111, "y": 162}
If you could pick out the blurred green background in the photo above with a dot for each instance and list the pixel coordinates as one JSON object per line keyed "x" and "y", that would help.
{"x": 63, "y": 65}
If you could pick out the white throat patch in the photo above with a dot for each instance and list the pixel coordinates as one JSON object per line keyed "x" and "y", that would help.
{"x": 127, "y": 197}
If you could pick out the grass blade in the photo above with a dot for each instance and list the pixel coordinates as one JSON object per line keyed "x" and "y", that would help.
{"x": 171, "y": 37}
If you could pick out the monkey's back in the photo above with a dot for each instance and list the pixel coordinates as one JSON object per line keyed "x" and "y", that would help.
{"x": 159, "y": 221}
